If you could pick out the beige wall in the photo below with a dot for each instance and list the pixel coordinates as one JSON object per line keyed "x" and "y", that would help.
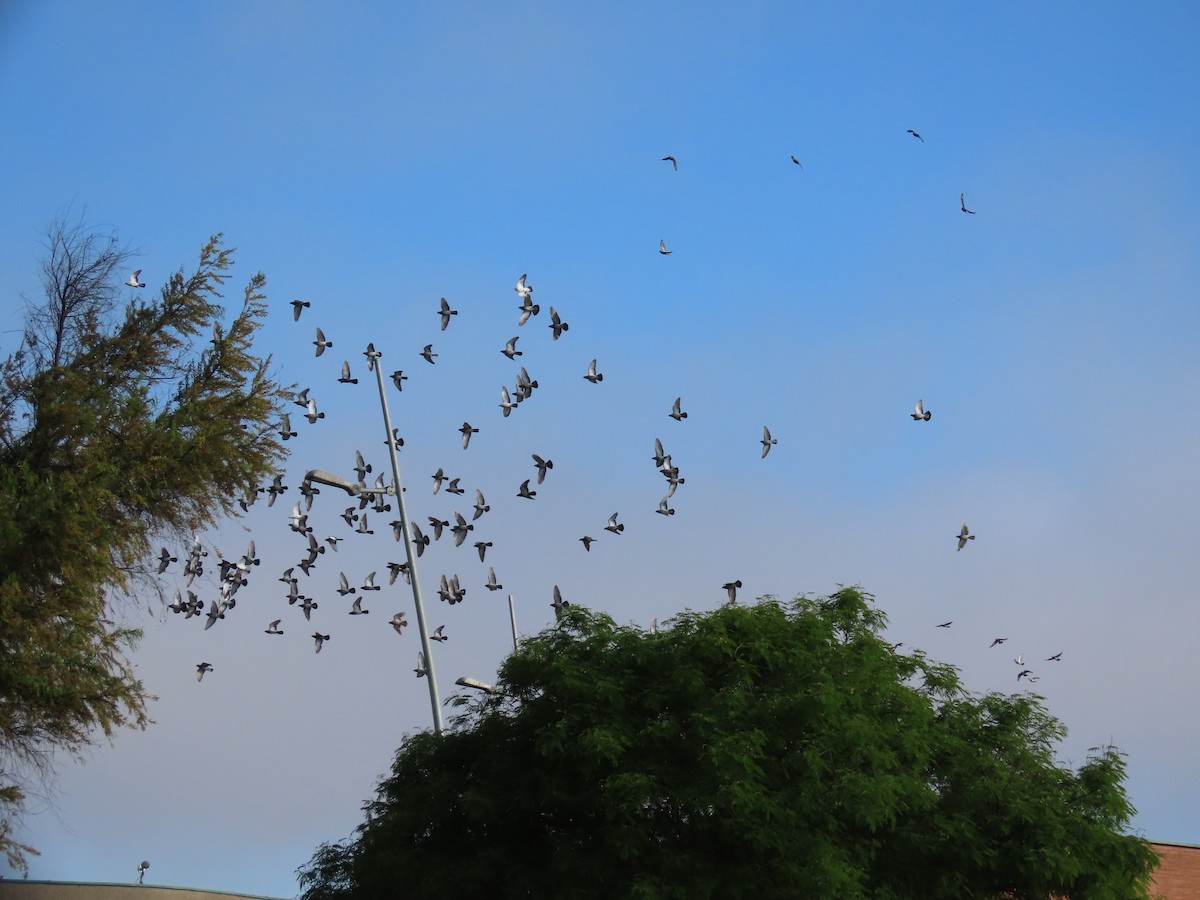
{"x": 64, "y": 890}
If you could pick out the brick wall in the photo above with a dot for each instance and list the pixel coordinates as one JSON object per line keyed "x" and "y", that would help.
{"x": 1178, "y": 873}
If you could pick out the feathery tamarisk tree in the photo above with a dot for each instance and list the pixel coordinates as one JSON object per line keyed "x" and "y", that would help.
{"x": 119, "y": 426}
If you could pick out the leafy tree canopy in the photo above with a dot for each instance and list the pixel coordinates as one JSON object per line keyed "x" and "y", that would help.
{"x": 777, "y": 750}
{"x": 117, "y": 428}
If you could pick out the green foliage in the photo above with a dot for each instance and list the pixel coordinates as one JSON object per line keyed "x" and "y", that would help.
{"x": 115, "y": 430}
{"x": 778, "y": 750}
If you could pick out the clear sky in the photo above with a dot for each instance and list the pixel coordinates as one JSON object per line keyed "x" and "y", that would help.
{"x": 373, "y": 158}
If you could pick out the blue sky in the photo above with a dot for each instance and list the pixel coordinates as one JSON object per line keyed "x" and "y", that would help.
{"x": 372, "y": 160}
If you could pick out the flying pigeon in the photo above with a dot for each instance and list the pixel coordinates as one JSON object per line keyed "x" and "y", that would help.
{"x": 663, "y": 508}
{"x": 592, "y": 375}
{"x": 201, "y": 669}
{"x": 134, "y": 280}
{"x": 460, "y": 528}
{"x": 524, "y": 291}
{"x": 480, "y": 508}
{"x": 346, "y": 379}
{"x": 1019, "y": 659}
{"x": 662, "y": 248}
{"x": 312, "y": 415}
{"x": 356, "y": 608}
{"x": 453, "y": 488}
{"x": 164, "y": 560}
{"x": 369, "y": 584}
{"x": 363, "y": 528}
{"x": 420, "y": 541}
{"x": 344, "y": 585}
{"x": 917, "y": 136}
{"x": 557, "y": 325}
{"x": 964, "y": 536}
{"x": 587, "y": 540}
{"x": 319, "y": 641}
{"x": 1025, "y": 673}
{"x": 178, "y": 606}
{"x": 525, "y": 491}
{"x": 362, "y": 468}
{"x": 298, "y": 305}
{"x": 1057, "y": 657}
{"x": 320, "y": 343}
{"x": 510, "y": 349}
{"x": 395, "y": 570}
{"x": 308, "y": 606}
{"x": 731, "y": 590}
{"x": 676, "y": 413}
{"x": 428, "y": 354}
{"x": 542, "y": 465}
{"x": 946, "y": 624}
{"x": 372, "y": 355}
{"x": 492, "y": 584}
{"x": 672, "y": 161}
{"x": 214, "y": 613}
{"x": 659, "y": 457}
{"x": 506, "y": 403}
{"x": 528, "y": 308}
{"x": 767, "y": 441}
{"x": 466, "y": 430}
{"x": 398, "y": 379}
{"x": 398, "y": 623}
{"x": 921, "y": 413}
{"x": 439, "y": 634}
{"x": 559, "y": 603}
{"x": 437, "y": 525}
{"x": 273, "y": 628}
{"x": 482, "y": 547}
{"x": 420, "y": 669}
{"x": 446, "y": 312}
{"x": 962, "y": 202}
{"x": 995, "y": 641}
{"x": 613, "y": 526}
{"x": 285, "y": 427}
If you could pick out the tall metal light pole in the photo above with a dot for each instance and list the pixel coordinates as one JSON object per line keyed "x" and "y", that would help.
{"x": 373, "y": 356}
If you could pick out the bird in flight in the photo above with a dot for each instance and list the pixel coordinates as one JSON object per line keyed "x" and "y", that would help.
{"x": 528, "y": 308}
{"x": 672, "y": 161}
{"x": 506, "y": 402}
{"x": 587, "y": 541}
{"x": 921, "y": 413}
{"x": 320, "y": 343}
{"x": 613, "y": 525}
{"x": 164, "y": 560}
{"x": 524, "y": 291}
{"x": 201, "y": 669}
{"x": 963, "y": 536}
{"x": 356, "y": 608}
{"x": 274, "y": 628}
{"x": 420, "y": 669}
{"x": 525, "y": 491}
{"x": 662, "y": 248}
{"x": 297, "y": 306}
{"x": 946, "y": 624}
{"x": 962, "y": 202}
{"x": 592, "y": 375}
{"x": 559, "y": 603}
{"x": 767, "y": 441}
{"x": 1025, "y": 673}
{"x": 995, "y": 641}
{"x": 481, "y": 507}
{"x": 663, "y": 509}
{"x": 557, "y": 325}
{"x": 731, "y": 590}
{"x": 439, "y": 634}
{"x": 510, "y": 349}
{"x": 345, "y": 378}
{"x": 429, "y": 355}
{"x": 917, "y": 136}
{"x": 319, "y": 641}
{"x": 398, "y": 379}
{"x": 797, "y": 162}
{"x": 676, "y": 413}
{"x": 1057, "y": 657}
{"x": 398, "y": 623}
{"x": 446, "y": 312}
{"x": 134, "y": 280}
{"x": 312, "y": 414}
{"x": 492, "y": 584}
{"x": 466, "y": 430}
{"x": 542, "y": 465}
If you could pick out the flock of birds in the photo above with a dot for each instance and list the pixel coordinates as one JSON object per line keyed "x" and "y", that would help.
{"x": 232, "y": 574}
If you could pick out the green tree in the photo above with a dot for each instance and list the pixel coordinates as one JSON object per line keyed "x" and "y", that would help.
{"x": 117, "y": 428}
{"x": 777, "y": 750}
